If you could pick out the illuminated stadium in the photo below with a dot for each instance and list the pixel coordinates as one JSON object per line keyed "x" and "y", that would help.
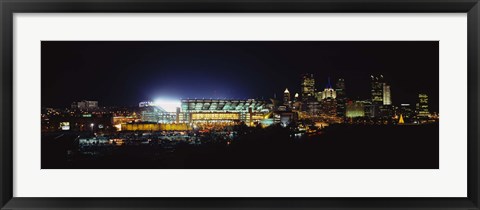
{"x": 206, "y": 111}
{"x": 224, "y": 111}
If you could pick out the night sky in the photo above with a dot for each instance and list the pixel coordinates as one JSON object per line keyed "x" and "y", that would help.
{"x": 119, "y": 73}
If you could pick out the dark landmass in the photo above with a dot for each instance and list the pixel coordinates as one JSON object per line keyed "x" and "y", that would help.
{"x": 336, "y": 147}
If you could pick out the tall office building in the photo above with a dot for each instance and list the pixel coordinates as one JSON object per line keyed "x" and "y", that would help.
{"x": 387, "y": 98}
{"x": 381, "y": 98}
{"x": 328, "y": 103}
{"x": 369, "y": 108}
{"x": 329, "y": 107}
{"x": 313, "y": 108}
{"x": 308, "y": 87}
{"x": 377, "y": 90}
{"x": 341, "y": 97}
{"x": 422, "y": 105}
{"x": 406, "y": 111}
{"x": 297, "y": 104}
{"x": 328, "y": 92}
{"x": 286, "y": 97}
{"x": 340, "y": 88}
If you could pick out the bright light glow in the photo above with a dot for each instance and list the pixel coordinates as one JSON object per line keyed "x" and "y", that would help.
{"x": 118, "y": 126}
{"x": 65, "y": 126}
{"x": 169, "y": 105}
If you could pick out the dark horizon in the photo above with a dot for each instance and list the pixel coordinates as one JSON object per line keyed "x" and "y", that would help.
{"x": 123, "y": 73}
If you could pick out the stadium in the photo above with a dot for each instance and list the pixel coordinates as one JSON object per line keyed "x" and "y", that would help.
{"x": 207, "y": 111}
{"x": 224, "y": 111}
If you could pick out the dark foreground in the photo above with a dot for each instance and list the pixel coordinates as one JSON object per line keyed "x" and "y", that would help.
{"x": 337, "y": 147}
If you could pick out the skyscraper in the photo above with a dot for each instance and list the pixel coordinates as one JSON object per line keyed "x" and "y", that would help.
{"x": 296, "y": 105}
{"x": 327, "y": 101}
{"x": 377, "y": 90}
{"x": 295, "y": 98}
{"x": 422, "y": 106}
{"x": 381, "y": 98}
{"x": 286, "y": 97}
{"x": 387, "y": 99}
{"x": 328, "y": 92}
{"x": 406, "y": 111}
{"x": 341, "y": 97}
{"x": 329, "y": 107}
{"x": 340, "y": 88}
{"x": 308, "y": 87}
{"x": 377, "y": 95}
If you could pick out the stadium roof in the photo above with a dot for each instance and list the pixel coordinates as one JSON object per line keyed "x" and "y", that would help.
{"x": 222, "y": 105}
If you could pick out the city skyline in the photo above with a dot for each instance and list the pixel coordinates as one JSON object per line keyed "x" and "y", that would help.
{"x": 332, "y": 105}
{"x": 142, "y": 86}
{"x": 384, "y": 94}
{"x": 240, "y": 105}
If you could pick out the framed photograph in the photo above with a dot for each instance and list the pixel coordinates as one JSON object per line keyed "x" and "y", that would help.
{"x": 239, "y": 104}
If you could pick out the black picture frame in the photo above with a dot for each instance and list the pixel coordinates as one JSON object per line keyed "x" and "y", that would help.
{"x": 9, "y": 7}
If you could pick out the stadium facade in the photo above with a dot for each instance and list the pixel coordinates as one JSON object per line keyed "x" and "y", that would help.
{"x": 211, "y": 111}
{"x": 226, "y": 111}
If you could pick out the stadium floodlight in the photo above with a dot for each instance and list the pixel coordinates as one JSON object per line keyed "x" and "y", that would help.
{"x": 169, "y": 105}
